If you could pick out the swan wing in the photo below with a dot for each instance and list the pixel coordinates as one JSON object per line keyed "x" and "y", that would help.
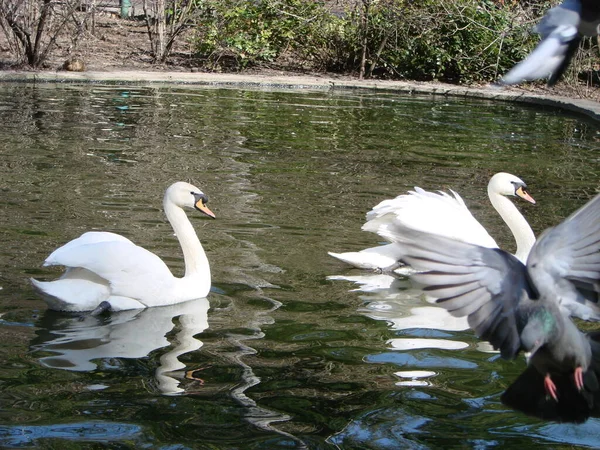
{"x": 485, "y": 285}
{"x": 91, "y": 237}
{"x": 565, "y": 262}
{"x": 430, "y": 212}
{"x": 131, "y": 271}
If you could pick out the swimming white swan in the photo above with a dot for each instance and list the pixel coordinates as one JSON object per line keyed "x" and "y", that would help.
{"x": 107, "y": 271}
{"x": 446, "y": 215}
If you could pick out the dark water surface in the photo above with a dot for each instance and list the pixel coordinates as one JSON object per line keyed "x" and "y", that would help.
{"x": 280, "y": 355}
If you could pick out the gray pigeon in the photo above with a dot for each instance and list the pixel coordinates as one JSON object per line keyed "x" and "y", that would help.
{"x": 561, "y": 29}
{"x": 525, "y": 308}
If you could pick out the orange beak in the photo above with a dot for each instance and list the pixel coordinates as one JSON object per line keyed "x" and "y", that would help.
{"x": 200, "y": 206}
{"x": 525, "y": 195}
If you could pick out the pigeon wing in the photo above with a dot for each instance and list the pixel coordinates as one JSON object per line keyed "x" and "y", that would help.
{"x": 486, "y": 285}
{"x": 564, "y": 264}
{"x": 549, "y": 59}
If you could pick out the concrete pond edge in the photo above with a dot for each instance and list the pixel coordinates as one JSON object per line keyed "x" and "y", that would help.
{"x": 588, "y": 108}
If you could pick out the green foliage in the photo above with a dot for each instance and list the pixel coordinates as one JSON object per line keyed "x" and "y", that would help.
{"x": 332, "y": 43}
{"x": 457, "y": 41}
{"x": 450, "y": 40}
{"x": 250, "y": 32}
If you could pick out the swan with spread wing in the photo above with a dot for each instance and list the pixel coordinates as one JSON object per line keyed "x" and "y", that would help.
{"x": 443, "y": 214}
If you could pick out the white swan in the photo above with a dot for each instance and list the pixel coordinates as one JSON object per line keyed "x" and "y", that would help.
{"x": 443, "y": 214}
{"x": 108, "y": 271}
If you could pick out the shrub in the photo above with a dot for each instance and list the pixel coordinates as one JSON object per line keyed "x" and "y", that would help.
{"x": 449, "y": 40}
{"x": 460, "y": 41}
{"x": 251, "y": 32}
{"x": 33, "y": 26}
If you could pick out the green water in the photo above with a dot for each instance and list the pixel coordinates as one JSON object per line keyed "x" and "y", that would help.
{"x": 280, "y": 355}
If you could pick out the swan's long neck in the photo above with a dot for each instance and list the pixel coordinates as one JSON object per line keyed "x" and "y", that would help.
{"x": 516, "y": 222}
{"x": 196, "y": 262}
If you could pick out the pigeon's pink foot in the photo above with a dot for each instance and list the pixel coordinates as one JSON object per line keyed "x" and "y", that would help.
{"x": 578, "y": 375}
{"x": 551, "y": 387}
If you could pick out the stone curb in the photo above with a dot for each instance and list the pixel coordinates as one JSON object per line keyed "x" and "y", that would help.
{"x": 584, "y": 107}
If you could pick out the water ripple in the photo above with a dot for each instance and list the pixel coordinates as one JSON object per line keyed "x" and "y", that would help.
{"x": 26, "y": 436}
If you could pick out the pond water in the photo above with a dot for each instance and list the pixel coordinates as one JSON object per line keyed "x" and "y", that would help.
{"x": 280, "y": 355}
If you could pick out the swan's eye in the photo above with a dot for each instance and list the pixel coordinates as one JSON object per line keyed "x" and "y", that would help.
{"x": 200, "y": 197}
{"x": 517, "y": 186}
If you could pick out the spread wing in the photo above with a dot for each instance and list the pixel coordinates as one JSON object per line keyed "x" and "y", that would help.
{"x": 422, "y": 210}
{"x": 560, "y": 33}
{"x": 549, "y": 59}
{"x": 564, "y": 264}
{"x": 484, "y": 284}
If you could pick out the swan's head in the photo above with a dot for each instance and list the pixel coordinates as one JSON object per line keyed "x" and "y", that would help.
{"x": 509, "y": 185}
{"x": 186, "y": 195}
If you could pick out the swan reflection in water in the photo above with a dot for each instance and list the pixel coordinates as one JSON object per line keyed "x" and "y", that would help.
{"x": 393, "y": 300}
{"x": 77, "y": 342}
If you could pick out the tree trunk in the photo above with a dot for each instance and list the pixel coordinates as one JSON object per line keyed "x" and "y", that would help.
{"x": 161, "y": 26}
{"x": 376, "y": 56}
{"x": 41, "y": 25}
{"x": 365, "y": 30}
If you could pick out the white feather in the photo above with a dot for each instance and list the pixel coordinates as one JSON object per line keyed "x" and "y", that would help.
{"x": 102, "y": 266}
{"x": 442, "y": 214}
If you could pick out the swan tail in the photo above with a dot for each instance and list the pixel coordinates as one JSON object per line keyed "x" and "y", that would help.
{"x": 81, "y": 294}
{"x": 71, "y": 294}
{"x": 380, "y": 258}
{"x": 355, "y": 259}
